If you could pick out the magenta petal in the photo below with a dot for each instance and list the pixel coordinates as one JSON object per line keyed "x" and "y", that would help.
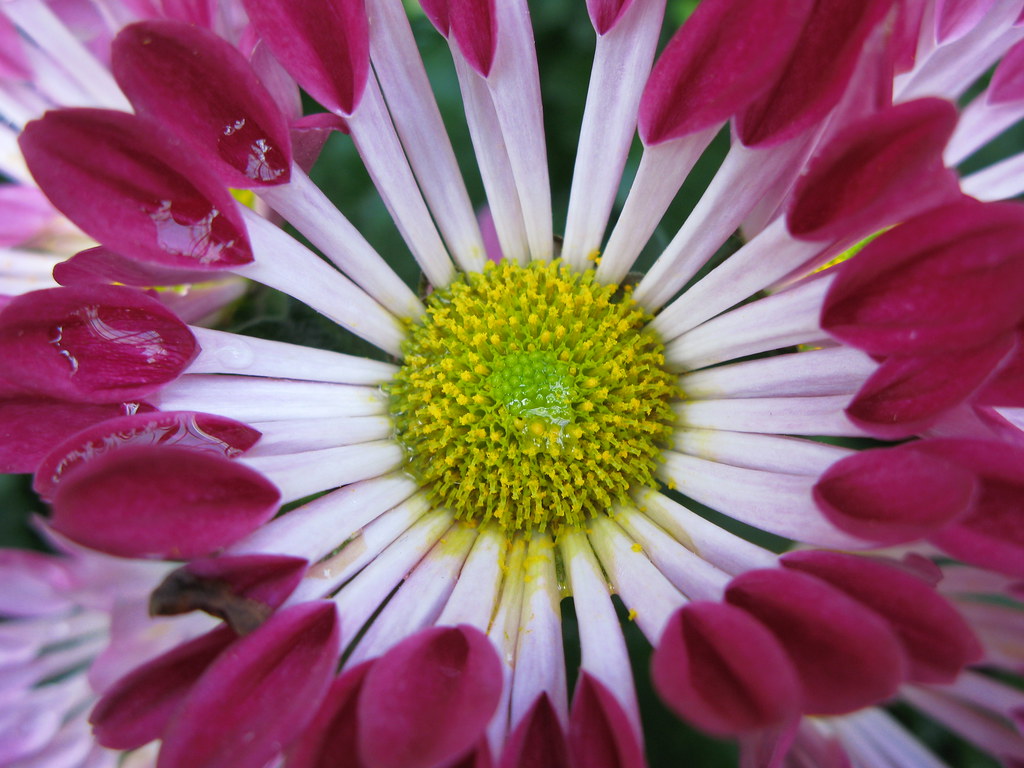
{"x": 333, "y": 730}
{"x": 937, "y": 640}
{"x": 96, "y": 344}
{"x": 881, "y": 170}
{"x": 474, "y": 24}
{"x": 720, "y": 669}
{"x": 437, "y": 12}
{"x": 243, "y": 590}
{"x": 992, "y": 536}
{"x": 716, "y": 64}
{"x": 605, "y": 14}
{"x": 252, "y": 702}
{"x": 954, "y": 18}
{"x": 324, "y": 45}
{"x": 817, "y": 73}
{"x": 31, "y": 426}
{"x": 845, "y": 655}
{"x": 1006, "y": 388}
{"x": 538, "y": 741}
{"x": 892, "y": 495}
{"x": 101, "y": 266}
{"x": 310, "y": 133}
{"x": 136, "y": 709}
{"x": 167, "y": 502}
{"x": 428, "y": 699}
{"x": 915, "y": 289}
{"x": 906, "y": 395}
{"x": 1007, "y": 85}
{"x": 201, "y": 87}
{"x": 200, "y": 12}
{"x": 201, "y": 432}
{"x": 600, "y": 734}
{"x": 125, "y": 185}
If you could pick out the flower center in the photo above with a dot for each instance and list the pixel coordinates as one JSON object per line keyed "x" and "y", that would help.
{"x": 533, "y": 397}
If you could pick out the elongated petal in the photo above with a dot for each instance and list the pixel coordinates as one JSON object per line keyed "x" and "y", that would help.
{"x": 31, "y": 426}
{"x": 817, "y": 73}
{"x": 915, "y": 288}
{"x": 600, "y": 733}
{"x": 474, "y": 24}
{"x": 137, "y": 708}
{"x": 324, "y": 45}
{"x": 250, "y": 703}
{"x": 333, "y": 731}
{"x": 1007, "y": 85}
{"x": 605, "y": 14}
{"x": 891, "y": 495}
{"x": 906, "y": 395}
{"x": 126, "y": 186}
{"x": 24, "y": 210}
{"x": 937, "y": 640}
{"x": 162, "y": 502}
{"x": 196, "y": 83}
{"x": 954, "y": 18}
{"x": 538, "y": 741}
{"x": 14, "y": 63}
{"x": 428, "y": 699}
{"x": 201, "y": 432}
{"x": 96, "y": 344}
{"x": 881, "y": 170}
{"x": 242, "y": 590}
{"x": 101, "y": 266}
{"x": 716, "y": 64}
{"x": 721, "y": 669}
{"x": 437, "y": 12}
{"x": 845, "y": 655}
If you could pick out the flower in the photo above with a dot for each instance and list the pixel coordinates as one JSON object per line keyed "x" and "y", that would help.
{"x": 404, "y": 604}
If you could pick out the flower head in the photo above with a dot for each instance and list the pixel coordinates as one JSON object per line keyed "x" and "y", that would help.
{"x": 388, "y": 538}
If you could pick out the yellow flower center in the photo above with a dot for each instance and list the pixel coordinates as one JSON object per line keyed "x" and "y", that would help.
{"x": 533, "y": 397}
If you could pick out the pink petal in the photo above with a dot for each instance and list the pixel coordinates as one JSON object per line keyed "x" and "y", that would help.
{"x": 437, "y": 12}
{"x": 907, "y": 32}
{"x": 101, "y": 266}
{"x": 1007, "y": 85}
{"x": 954, "y": 18}
{"x": 196, "y": 83}
{"x": 915, "y": 289}
{"x": 24, "y": 210}
{"x": 717, "y": 63}
{"x": 600, "y": 734}
{"x": 168, "y": 502}
{"x": 992, "y": 536}
{"x": 242, "y": 590}
{"x": 31, "y": 426}
{"x": 720, "y": 669}
{"x": 906, "y": 395}
{"x": 845, "y": 655}
{"x": 250, "y": 703}
{"x": 429, "y": 698}
{"x": 125, "y": 185}
{"x": 1006, "y": 389}
{"x": 324, "y": 45}
{"x": 881, "y": 170}
{"x": 98, "y": 344}
{"x": 137, "y": 708}
{"x": 310, "y": 133}
{"x": 14, "y": 64}
{"x": 333, "y": 731}
{"x": 605, "y": 14}
{"x": 817, "y": 74}
{"x": 474, "y": 23}
{"x": 892, "y": 495}
{"x": 937, "y": 640}
{"x": 200, "y": 12}
{"x": 538, "y": 741}
{"x": 200, "y": 432}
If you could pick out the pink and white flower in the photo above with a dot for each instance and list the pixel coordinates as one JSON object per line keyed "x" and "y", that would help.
{"x": 404, "y": 608}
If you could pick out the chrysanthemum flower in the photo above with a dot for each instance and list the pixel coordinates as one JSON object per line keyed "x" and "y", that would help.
{"x": 529, "y": 425}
